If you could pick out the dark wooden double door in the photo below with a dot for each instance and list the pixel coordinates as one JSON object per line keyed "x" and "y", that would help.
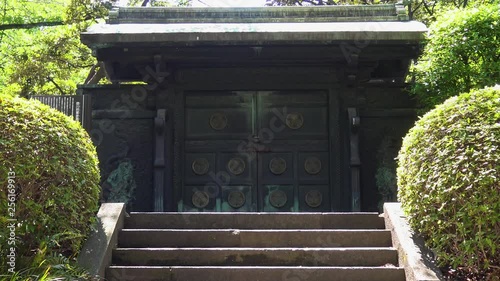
{"x": 247, "y": 151}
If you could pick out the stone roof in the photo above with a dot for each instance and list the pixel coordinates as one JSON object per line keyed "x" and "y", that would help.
{"x": 256, "y": 26}
{"x": 348, "y": 13}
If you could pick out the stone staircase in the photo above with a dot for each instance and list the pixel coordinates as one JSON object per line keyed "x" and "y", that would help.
{"x": 255, "y": 247}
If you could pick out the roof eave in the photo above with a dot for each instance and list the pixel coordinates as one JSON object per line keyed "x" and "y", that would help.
{"x": 252, "y": 34}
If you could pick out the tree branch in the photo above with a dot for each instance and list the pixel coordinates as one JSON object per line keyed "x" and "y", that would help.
{"x": 417, "y": 7}
{"x": 312, "y": 2}
{"x": 57, "y": 85}
{"x": 429, "y": 11}
{"x": 30, "y": 25}
{"x": 70, "y": 63}
{"x": 3, "y": 18}
{"x": 411, "y": 12}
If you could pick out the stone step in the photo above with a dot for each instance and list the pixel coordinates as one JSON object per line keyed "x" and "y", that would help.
{"x": 210, "y": 238}
{"x": 191, "y": 273}
{"x": 255, "y": 256}
{"x": 254, "y": 221}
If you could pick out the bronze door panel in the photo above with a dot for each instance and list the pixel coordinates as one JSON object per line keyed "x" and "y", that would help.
{"x": 238, "y": 167}
{"x": 277, "y": 198}
{"x": 215, "y": 125}
{"x": 218, "y": 123}
{"x": 297, "y": 158}
{"x": 276, "y": 168}
{"x": 308, "y": 123}
{"x": 314, "y": 198}
{"x": 199, "y": 197}
{"x": 198, "y": 167}
{"x": 219, "y": 115}
{"x": 294, "y": 115}
{"x": 238, "y": 199}
{"x": 313, "y": 167}
{"x": 256, "y": 151}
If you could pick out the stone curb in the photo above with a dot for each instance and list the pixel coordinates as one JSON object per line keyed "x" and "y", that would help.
{"x": 96, "y": 253}
{"x": 413, "y": 255}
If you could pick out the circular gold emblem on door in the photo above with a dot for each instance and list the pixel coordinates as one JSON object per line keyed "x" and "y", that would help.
{"x": 294, "y": 120}
{"x": 314, "y": 198}
{"x": 218, "y": 121}
{"x": 312, "y": 165}
{"x": 200, "y": 166}
{"x": 200, "y": 199}
{"x": 236, "y": 166}
{"x": 236, "y": 199}
{"x": 278, "y": 198}
{"x": 277, "y": 165}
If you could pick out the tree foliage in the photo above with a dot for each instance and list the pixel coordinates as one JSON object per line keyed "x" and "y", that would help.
{"x": 40, "y": 49}
{"x": 463, "y": 53}
{"x": 325, "y": 2}
{"x": 426, "y": 11}
{"x": 429, "y": 11}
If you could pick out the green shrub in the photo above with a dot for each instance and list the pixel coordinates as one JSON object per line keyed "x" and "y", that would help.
{"x": 53, "y": 268}
{"x": 449, "y": 179}
{"x": 56, "y": 181}
{"x": 462, "y": 54}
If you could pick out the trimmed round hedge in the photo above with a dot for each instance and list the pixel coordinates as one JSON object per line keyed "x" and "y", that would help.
{"x": 50, "y": 160}
{"x": 449, "y": 179}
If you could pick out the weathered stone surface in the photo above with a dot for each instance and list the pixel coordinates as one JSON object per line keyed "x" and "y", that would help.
{"x": 130, "y": 238}
{"x": 251, "y": 33}
{"x": 191, "y": 273}
{"x": 255, "y": 220}
{"x": 389, "y": 12}
{"x": 413, "y": 255}
{"x": 96, "y": 253}
{"x": 182, "y": 248}
{"x": 255, "y": 256}
{"x": 233, "y": 26}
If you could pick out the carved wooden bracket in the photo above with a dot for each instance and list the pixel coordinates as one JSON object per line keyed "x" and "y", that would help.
{"x": 352, "y": 68}
{"x": 159, "y": 159}
{"x": 355, "y": 160}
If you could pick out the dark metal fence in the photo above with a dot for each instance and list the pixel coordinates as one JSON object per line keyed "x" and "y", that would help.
{"x": 79, "y": 107}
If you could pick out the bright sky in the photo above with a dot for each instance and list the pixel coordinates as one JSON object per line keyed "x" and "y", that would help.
{"x": 228, "y": 3}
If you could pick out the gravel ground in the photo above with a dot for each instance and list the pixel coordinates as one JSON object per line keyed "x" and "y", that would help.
{"x": 466, "y": 274}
